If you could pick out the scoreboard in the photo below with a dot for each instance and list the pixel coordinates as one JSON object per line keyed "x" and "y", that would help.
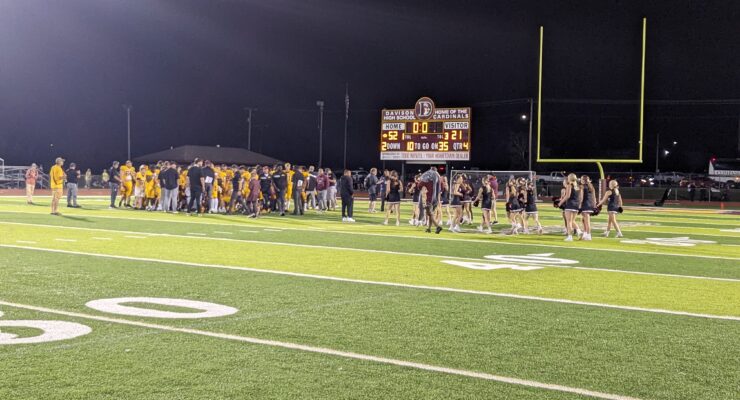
{"x": 425, "y": 133}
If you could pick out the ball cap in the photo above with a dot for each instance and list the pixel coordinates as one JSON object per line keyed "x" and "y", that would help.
{"x": 59, "y": 159}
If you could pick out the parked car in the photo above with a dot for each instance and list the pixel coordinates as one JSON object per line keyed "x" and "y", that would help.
{"x": 669, "y": 177}
{"x": 555, "y": 177}
{"x": 646, "y": 180}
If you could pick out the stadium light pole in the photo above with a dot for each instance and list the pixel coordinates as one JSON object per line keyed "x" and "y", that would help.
{"x": 531, "y": 111}
{"x": 128, "y": 130}
{"x": 320, "y": 103}
{"x": 249, "y": 111}
{"x": 346, "y": 120}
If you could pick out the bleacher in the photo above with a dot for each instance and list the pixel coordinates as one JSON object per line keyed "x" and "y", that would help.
{"x": 14, "y": 177}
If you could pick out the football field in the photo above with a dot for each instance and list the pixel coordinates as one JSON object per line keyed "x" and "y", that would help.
{"x": 120, "y": 304}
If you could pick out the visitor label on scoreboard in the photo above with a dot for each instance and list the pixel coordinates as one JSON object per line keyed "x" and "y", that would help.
{"x": 425, "y": 133}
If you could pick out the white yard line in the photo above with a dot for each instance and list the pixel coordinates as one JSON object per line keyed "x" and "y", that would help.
{"x": 381, "y": 283}
{"x": 195, "y": 235}
{"x": 373, "y": 251}
{"x": 330, "y": 352}
{"x": 101, "y": 238}
{"x": 25, "y": 241}
{"x": 223, "y": 232}
{"x": 244, "y": 231}
{"x": 436, "y": 237}
{"x": 135, "y": 237}
{"x": 65, "y": 240}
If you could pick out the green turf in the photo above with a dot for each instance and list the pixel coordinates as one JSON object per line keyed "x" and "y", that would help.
{"x": 632, "y": 353}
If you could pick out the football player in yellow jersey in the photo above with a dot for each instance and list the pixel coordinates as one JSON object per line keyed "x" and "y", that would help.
{"x": 150, "y": 191}
{"x": 139, "y": 188}
{"x": 304, "y": 195}
{"x": 182, "y": 183}
{"x": 157, "y": 187}
{"x": 127, "y": 184}
{"x": 289, "y": 192}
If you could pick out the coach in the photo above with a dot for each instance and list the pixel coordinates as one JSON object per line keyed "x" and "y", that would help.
{"x": 168, "y": 178}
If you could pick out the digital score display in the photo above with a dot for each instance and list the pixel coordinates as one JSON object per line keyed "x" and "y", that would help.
{"x": 425, "y": 133}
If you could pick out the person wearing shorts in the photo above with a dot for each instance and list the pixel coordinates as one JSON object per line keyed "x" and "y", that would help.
{"x": 31, "y": 175}
{"x": 56, "y": 183}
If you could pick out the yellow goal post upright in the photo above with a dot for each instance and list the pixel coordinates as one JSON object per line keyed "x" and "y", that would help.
{"x": 597, "y": 161}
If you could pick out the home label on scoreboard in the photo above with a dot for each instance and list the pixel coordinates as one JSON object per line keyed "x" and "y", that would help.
{"x": 425, "y": 132}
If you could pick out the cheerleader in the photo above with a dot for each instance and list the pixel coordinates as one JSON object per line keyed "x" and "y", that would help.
{"x": 485, "y": 197}
{"x": 572, "y": 199}
{"x": 467, "y": 202}
{"x": 530, "y": 207}
{"x": 445, "y": 199}
{"x": 393, "y": 198}
{"x": 456, "y": 203}
{"x": 587, "y": 206}
{"x": 415, "y": 195}
{"x": 614, "y": 206}
{"x": 513, "y": 207}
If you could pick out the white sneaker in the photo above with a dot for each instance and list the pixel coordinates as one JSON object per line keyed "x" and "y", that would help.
{"x": 480, "y": 229}
{"x": 587, "y": 237}
{"x": 344, "y": 219}
{"x": 569, "y": 238}
{"x": 351, "y": 219}
{"x": 385, "y": 222}
{"x": 605, "y": 234}
{"x": 579, "y": 232}
{"x": 488, "y": 230}
{"x": 526, "y": 231}
{"x": 412, "y": 222}
{"x": 619, "y": 234}
{"x": 398, "y": 223}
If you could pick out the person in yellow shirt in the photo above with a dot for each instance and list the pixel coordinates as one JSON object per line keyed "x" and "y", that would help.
{"x": 139, "y": 188}
{"x": 289, "y": 192}
{"x": 127, "y": 184}
{"x": 56, "y": 182}
{"x": 150, "y": 190}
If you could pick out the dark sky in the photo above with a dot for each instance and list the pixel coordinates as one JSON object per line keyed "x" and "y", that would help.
{"x": 189, "y": 67}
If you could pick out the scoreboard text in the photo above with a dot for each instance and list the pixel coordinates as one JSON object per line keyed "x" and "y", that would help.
{"x": 425, "y": 133}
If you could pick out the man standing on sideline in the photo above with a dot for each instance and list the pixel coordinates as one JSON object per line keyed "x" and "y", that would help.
{"x": 346, "y": 191}
{"x": 73, "y": 175}
{"x": 209, "y": 178}
{"x": 322, "y": 183}
{"x": 279, "y": 181}
{"x": 311, "y": 183}
{"x": 168, "y": 179}
{"x": 265, "y": 185}
{"x": 31, "y": 175}
{"x": 430, "y": 181}
{"x": 298, "y": 188}
{"x": 383, "y": 188}
{"x": 197, "y": 186}
{"x": 371, "y": 183}
{"x": 115, "y": 182}
{"x": 56, "y": 182}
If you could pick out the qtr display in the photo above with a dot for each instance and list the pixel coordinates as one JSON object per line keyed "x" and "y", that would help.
{"x": 425, "y": 133}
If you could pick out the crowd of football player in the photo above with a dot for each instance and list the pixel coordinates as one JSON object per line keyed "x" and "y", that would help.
{"x": 203, "y": 187}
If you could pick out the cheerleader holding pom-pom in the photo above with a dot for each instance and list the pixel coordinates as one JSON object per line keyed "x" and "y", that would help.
{"x": 613, "y": 201}
{"x": 571, "y": 199}
{"x": 587, "y": 206}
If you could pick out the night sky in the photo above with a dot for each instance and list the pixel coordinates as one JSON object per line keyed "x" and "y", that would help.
{"x": 189, "y": 67}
